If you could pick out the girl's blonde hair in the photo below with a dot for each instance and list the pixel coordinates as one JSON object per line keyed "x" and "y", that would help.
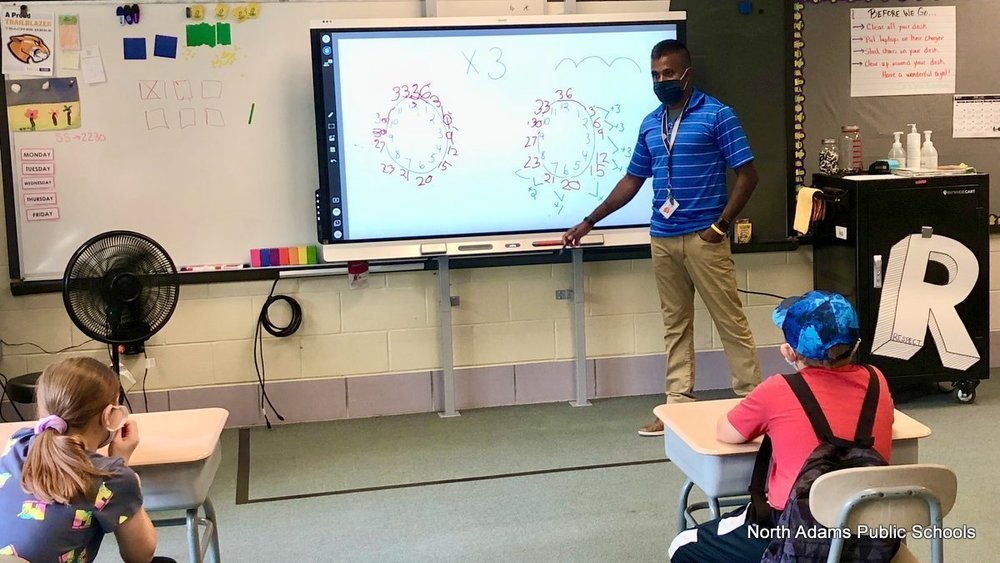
{"x": 58, "y": 467}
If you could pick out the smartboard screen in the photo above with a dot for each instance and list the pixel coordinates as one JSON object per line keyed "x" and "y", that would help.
{"x": 474, "y": 128}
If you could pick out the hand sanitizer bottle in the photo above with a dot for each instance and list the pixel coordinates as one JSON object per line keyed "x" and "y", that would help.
{"x": 897, "y": 156}
{"x": 913, "y": 148}
{"x": 928, "y": 154}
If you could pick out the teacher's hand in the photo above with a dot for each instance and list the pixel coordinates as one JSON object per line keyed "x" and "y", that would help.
{"x": 709, "y": 235}
{"x": 572, "y": 236}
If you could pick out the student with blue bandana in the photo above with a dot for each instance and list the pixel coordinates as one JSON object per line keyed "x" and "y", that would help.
{"x": 686, "y": 145}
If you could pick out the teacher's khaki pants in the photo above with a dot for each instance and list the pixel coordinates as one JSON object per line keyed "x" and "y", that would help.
{"x": 681, "y": 265}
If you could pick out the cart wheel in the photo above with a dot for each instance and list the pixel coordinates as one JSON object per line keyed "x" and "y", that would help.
{"x": 965, "y": 391}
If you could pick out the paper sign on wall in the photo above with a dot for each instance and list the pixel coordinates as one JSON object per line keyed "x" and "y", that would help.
{"x": 28, "y": 42}
{"x": 43, "y": 104}
{"x": 902, "y": 51}
{"x": 977, "y": 116}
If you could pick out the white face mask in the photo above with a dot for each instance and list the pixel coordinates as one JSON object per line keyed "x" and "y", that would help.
{"x": 114, "y": 418}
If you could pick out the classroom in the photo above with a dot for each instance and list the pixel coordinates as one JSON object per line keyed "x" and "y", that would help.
{"x": 385, "y": 280}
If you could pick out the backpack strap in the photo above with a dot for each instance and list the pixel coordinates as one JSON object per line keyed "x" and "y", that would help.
{"x": 866, "y": 420}
{"x": 811, "y": 406}
{"x": 760, "y": 510}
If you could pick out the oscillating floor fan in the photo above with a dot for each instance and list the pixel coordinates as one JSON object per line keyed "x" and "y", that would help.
{"x": 120, "y": 288}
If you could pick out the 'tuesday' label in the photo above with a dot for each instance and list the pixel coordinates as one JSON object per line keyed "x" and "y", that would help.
{"x": 43, "y": 214}
{"x": 38, "y": 183}
{"x": 40, "y": 199}
{"x": 38, "y": 168}
{"x": 37, "y": 154}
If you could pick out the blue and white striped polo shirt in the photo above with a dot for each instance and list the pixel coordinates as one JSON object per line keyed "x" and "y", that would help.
{"x": 710, "y": 138}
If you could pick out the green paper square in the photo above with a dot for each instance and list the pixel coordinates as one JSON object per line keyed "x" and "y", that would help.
{"x": 223, "y": 33}
{"x": 200, "y": 34}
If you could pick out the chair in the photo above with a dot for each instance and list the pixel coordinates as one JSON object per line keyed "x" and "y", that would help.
{"x": 21, "y": 389}
{"x": 897, "y": 495}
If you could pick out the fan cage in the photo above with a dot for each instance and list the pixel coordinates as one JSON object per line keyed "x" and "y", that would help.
{"x": 120, "y": 255}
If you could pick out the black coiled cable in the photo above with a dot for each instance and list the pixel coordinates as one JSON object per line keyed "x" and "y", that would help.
{"x": 264, "y": 321}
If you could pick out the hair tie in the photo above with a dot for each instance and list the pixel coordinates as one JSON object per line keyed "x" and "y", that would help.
{"x": 54, "y": 422}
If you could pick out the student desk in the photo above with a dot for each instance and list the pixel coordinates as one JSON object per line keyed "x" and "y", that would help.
{"x": 176, "y": 460}
{"x": 723, "y": 470}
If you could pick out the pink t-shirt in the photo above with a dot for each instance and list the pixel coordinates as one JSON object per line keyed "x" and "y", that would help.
{"x": 772, "y": 408}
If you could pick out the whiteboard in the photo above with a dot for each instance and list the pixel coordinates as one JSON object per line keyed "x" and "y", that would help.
{"x": 166, "y": 146}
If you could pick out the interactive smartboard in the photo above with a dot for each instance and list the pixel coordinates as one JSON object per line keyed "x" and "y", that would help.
{"x": 478, "y": 127}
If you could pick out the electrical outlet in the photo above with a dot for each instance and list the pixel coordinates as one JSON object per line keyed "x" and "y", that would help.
{"x": 150, "y": 363}
{"x": 564, "y": 294}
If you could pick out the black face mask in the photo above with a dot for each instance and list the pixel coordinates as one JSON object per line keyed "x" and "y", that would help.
{"x": 670, "y": 92}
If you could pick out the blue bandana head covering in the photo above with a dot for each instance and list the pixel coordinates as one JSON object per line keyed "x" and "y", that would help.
{"x": 815, "y": 322}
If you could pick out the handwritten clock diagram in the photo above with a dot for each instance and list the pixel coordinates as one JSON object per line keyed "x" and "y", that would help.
{"x": 416, "y": 136}
{"x": 572, "y": 148}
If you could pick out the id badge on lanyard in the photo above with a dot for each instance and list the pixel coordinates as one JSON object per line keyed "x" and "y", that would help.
{"x": 670, "y": 205}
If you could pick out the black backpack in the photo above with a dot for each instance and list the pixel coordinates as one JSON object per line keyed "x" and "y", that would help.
{"x": 807, "y": 540}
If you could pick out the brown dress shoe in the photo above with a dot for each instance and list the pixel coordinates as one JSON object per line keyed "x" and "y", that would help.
{"x": 654, "y": 428}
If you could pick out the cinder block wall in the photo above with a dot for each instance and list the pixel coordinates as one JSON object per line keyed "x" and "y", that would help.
{"x": 507, "y": 316}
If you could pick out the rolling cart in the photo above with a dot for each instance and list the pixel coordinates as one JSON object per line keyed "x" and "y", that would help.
{"x": 912, "y": 256}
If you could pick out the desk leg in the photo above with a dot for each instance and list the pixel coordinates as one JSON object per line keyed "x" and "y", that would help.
{"x": 213, "y": 538}
{"x": 682, "y": 503}
{"x": 194, "y": 547}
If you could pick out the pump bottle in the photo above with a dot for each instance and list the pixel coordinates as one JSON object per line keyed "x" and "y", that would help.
{"x": 897, "y": 156}
{"x": 913, "y": 148}
{"x": 928, "y": 154}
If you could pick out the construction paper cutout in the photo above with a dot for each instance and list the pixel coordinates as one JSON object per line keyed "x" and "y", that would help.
{"x": 135, "y": 48}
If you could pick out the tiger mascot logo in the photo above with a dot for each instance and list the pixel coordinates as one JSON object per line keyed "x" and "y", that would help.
{"x": 28, "y": 48}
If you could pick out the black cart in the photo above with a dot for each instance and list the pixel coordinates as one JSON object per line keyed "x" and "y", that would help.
{"x": 912, "y": 255}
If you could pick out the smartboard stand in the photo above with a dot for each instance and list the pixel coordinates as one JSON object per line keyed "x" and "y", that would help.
{"x": 579, "y": 331}
{"x": 447, "y": 355}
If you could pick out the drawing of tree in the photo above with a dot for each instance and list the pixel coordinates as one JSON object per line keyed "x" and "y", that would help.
{"x": 32, "y": 115}
{"x": 69, "y": 114}
{"x": 55, "y": 117}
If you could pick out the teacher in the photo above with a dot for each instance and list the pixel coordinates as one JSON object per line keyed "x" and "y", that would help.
{"x": 686, "y": 144}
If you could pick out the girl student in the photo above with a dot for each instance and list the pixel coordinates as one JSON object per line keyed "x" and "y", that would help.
{"x": 58, "y": 496}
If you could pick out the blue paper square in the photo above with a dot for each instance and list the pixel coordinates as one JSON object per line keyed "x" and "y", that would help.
{"x": 135, "y": 48}
{"x": 165, "y": 46}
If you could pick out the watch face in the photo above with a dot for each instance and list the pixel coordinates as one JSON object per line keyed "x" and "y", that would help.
{"x": 571, "y": 145}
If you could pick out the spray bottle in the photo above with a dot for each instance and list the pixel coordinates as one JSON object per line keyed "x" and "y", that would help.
{"x": 897, "y": 156}
{"x": 928, "y": 154}
{"x": 913, "y": 148}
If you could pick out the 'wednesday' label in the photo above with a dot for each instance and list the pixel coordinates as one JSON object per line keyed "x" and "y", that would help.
{"x": 38, "y": 183}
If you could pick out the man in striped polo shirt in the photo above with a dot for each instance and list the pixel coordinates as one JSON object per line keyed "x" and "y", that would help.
{"x": 686, "y": 144}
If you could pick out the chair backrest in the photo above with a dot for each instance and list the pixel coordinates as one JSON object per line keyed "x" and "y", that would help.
{"x": 830, "y": 492}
